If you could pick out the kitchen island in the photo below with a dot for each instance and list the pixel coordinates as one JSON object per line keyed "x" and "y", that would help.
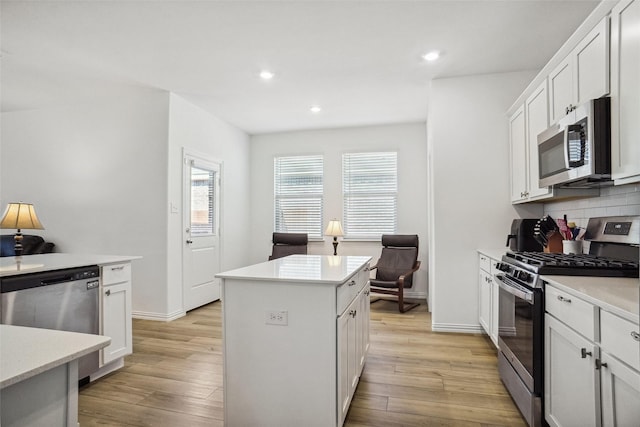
{"x": 39, "y": 375}
{"x": 295, "y": 335}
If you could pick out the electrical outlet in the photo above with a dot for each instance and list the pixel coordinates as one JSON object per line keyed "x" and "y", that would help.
{"x": 273, "y": 317}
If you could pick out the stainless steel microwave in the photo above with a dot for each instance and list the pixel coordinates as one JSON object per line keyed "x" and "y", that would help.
{"x": 576, "y": 151}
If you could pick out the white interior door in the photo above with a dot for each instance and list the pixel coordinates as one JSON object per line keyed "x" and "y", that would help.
{"x": 201, "y": 243}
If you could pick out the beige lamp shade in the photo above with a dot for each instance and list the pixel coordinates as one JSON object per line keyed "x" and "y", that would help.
{"x": 20, "y": 216}
{"x": 334, "y": 229}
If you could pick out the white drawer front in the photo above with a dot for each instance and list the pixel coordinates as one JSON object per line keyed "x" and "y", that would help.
{"x": 571, "y": 310}
{"x": 616, "y": 338}
{"x": 484, "y": 262}
{"x": 350, "y": 289}
{"x": 116, "y": 273}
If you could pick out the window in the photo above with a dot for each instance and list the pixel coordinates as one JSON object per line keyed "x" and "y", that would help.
{"x": 202, "y": 201}
{"x": 298, "y": 195}
{"x": 370, "y": 191}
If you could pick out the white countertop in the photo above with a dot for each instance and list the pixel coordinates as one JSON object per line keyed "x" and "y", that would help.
{"x": 56, "y": 261}
{"x": 317, "y": 269}
{"x": 26, "y": 352}
{"x": 494, "y": 253}
{"x": 617, "y": 295}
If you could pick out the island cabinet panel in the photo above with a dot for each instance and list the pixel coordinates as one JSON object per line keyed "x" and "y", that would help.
{"x": 290, "y": 357}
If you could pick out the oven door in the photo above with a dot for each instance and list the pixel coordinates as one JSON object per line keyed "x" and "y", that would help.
{"x": 520, "y": 330}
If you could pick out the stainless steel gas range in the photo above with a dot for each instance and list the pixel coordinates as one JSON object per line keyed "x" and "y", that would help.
{"x": 614, "y": 251}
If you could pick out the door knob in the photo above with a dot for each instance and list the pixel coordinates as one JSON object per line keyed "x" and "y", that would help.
{"x": 189, "y": 242}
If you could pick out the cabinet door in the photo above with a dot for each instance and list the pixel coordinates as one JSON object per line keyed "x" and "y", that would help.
{"x": 495, "y": 301}
{"x": 561, "y": 89}
{"x": 537, "y": 120}
{"x": 517, "y": 140}
{"x": 570, "y": 389}
{"x": 625, "y": 92}
{"x": 363, "y": 327}
{"x": 484, "y": 308}
{"x": 620, "y": 393}
{"x": 591, "y": 64}
{"x": 116, "y": 323}
{"x": 347, "y": 358}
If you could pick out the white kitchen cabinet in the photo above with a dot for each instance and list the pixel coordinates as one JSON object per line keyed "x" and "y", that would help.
{"x": 620, "y": 393}
{"x": 592, "y": 363}
{"x": 582, "y": 75}
{"x": 570, "y": 389}
{"x": 537, "y": 121}
{"x": 295, "y": 335}
{"x": 488, "y": 297}
{"x": 353, "y": 344}
{"x": 625, "y": 92}
{"x": 116, "y": 311}
{"x": 518, "y": 151}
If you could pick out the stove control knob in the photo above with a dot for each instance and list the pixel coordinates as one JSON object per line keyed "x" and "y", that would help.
{"x": 524, "y": 276}
{"x": 502, "y": 266}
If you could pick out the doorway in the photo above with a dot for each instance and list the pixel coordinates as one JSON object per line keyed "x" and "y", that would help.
{"x": 201, "y": 220}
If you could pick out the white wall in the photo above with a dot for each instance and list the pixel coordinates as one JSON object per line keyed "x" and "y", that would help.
{"x": 192, "y": 128}
{"x": 96, "y": 174}
{"x": 468, "y": 188}
{"x": 409, "y": 140}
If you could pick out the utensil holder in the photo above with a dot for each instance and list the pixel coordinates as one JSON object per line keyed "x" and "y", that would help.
{"x": 572, "y": 247}
{"x": 554, "y": 243}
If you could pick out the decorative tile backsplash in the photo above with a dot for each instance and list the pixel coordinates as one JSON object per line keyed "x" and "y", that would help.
{"x": 613, "y": 201}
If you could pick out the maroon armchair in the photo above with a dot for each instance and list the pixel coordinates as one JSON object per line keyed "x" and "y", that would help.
{"x": 395, "y": 268}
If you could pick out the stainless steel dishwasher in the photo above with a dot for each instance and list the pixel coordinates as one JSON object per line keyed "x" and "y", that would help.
{"x": 66, "y": 300}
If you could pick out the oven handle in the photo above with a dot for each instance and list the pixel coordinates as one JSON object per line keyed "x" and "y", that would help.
{"x": 520, "y": 293}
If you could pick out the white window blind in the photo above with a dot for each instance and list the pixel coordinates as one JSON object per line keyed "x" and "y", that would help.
{"x": 370, "y": 191}
{"x": 298, "y": 185}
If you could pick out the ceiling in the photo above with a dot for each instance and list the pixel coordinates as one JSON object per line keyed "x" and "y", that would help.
{"x": 359, "y": 60}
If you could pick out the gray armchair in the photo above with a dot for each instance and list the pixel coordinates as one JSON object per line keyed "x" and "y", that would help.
{"x": 395, "y": 268}
{"x": 288, "y": 244}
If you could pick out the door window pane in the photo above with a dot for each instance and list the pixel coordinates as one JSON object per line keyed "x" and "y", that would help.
{"x": 202, "y": 201}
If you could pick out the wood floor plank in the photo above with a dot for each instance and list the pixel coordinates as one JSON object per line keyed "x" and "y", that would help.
{"x": 412, "y": 377}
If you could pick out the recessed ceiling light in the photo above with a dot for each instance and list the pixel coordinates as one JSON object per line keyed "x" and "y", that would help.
{"x": 266, "y": 75}
{"x": 315, "y": 109}
{"x": 431, "y": 56}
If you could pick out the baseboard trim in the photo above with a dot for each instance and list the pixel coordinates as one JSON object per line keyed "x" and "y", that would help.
{"x": 458, "y": 328}
{"x": 161, "y": 317}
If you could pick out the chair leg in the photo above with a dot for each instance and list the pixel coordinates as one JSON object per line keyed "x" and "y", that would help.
{"x": 401, "y": 305}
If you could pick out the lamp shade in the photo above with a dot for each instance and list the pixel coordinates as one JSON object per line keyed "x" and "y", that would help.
{"x": 334, "y": 229}
{"x": 20, "y": 216}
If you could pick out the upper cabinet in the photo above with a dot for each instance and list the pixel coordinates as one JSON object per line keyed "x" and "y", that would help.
{"x": 582, "y": 75}
{"x": 518, "y": 142}
{"x": 625, "y": 92}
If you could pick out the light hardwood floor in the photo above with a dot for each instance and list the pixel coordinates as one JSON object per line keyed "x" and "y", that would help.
{"x": 412, "y": 377}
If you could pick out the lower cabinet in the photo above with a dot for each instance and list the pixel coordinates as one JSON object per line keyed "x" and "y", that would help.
{"x": 353, "y": 345}
{"x": 592, "y": 364}
{"x": 116, "y": 311}
{"x": 488, "y": 297}
{"x": 570, "y": 377}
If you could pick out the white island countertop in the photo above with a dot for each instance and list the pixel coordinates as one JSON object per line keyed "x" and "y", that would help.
{"x": 26, "y": 352}
{"x": 56, "y": 261}
{"x": 318, "y": 269}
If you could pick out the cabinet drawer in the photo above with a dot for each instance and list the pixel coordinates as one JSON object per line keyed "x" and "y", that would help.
{"x": 484, "y": 262}
{"x": 116, "y": 273}
{"x": 347, "y": 291}
{"x": 616, "y": 338}
{"x": 574, "y": 312}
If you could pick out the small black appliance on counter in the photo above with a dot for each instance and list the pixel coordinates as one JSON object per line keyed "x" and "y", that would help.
{"x": 521, "y": 237}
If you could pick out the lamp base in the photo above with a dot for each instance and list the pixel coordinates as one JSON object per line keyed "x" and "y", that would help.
{"x": 17, "y": 248}
{"x": 335, "y": 245}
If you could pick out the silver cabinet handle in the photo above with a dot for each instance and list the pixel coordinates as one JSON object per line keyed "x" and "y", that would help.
{"x": 599, "y": 364}
{"x": 352, "y": 283}
{"x": 108, "y": 292}
{"x": 117, "y": 268}
{"x": 189, "y": 242}
{"x": 563, "y": 299}
{"x": 635, "y": 335}
{"x": 584, "y": 353}
{"x": 367, "y": 293}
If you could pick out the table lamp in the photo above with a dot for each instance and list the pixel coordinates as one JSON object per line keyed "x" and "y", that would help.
{"x": 334, "y": 229}
{"x": 20, "y": 216}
